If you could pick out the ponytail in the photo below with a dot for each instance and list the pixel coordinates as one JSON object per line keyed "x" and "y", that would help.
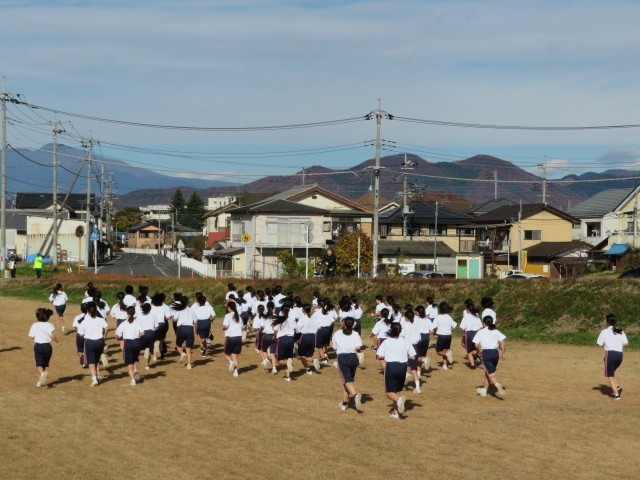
{"x": 488, "y": 321}
{"x": 234, "y": 307}
{"x": 611, "y": 321}
{"x": 394, "y": 330}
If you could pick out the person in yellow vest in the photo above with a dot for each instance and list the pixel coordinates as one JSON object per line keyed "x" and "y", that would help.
{"x": 37, "y": 265}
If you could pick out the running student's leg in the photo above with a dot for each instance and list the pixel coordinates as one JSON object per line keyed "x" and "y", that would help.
{"x": 131, "y": 371}
{"x": 614, "y": 384}
{"x": 234, "y": 359}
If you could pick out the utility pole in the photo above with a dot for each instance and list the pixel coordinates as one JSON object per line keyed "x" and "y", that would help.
{"x": 544, "y": 180}
{"x": 3, "y": 193}
{"x": 495, "y": 184}
{"x": 303, "y": 175}
{"x": 87, "y": 227}
{"x": 376, "y": 194}
{"x": 56, "y": 131}
{"x": 405, "y": 194}
{"x": 435, "y": 241}
{"x": 520, "y": 237}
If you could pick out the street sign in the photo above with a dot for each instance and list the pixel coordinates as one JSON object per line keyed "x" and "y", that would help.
{"x": 246, "y": 238}
{"x": 310, "y": 225}
{"x": 79, "y": 231}
{"x": 310, "y": 238}
{"x": 94, "y": 236}
{"x": 180, "y": 245}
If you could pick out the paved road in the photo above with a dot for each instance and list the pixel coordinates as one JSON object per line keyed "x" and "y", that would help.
{"x": 147, "y": 265}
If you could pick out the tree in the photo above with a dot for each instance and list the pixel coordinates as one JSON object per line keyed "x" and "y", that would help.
{"x": 177, "y": 205}
{"x": 193, "y": 212}
{"x": 291, "y": 266}
{"x": 346, "y": 252}
{"x": 127, "y": 218}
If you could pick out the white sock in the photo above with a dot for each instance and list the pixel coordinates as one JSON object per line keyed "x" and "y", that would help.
{"x": 417, "y": 383}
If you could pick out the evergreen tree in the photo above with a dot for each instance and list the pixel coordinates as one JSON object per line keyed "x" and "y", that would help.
{"x": 177, "y": 206}
{"x": 194, "y": 211}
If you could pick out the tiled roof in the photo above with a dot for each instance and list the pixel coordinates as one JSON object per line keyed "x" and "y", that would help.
{"x": 601, "y": 203}
{"x": 408, "y": 247}
{"x": 279, "y": 206}
{"x": 425, "y": 212}
{"x": 557, "y": 249}
{"x": 508, "y": 214}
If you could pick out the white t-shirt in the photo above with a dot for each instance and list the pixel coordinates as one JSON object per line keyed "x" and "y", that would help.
{"x": 256, "y": 303}
{"x": 130, "y": 331}
{"x": 611, "y": 341}
{"x": 324, "y": 320}
{"x": 396, "y": 350}
{"x": 307, "y": 324}
{"x": 76, "y": 320}
{"x": 346, "y": 343}
{"x": 286, "y": 329}
{"x": 41, "y": 332}
{"x": 92, "y": 328}
{"x": 147, "y": 322}
{"x": 356, "y": 313}
{"x": 379, "y": 308}
{"x": 59, "y": 299}
{"x": 431, "y": 311}
{"x": 380, "y": 329}
{"x": 249, "y": 300}
{"x": 422, "y": 324}
{"x": 184, "y": 317}
{"x": 410, "y": 333}
{"x": 490, "y": 313}
{"x": 203, "y": 312}
{"x": 488, "y": 339}
{"x": 267, "y": 329}
{"x": 160, "y": 312}
{"x": 118, "y": 313}
{"x": 277, "y": 300}
{"x": 443, "y": 324}
{"x": 234, "y": 328}
{"x": 470, "y": 322}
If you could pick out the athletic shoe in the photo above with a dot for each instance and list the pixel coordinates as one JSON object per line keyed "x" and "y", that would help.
{"x": 146, "y": 367}
{"x": 136, "y": 375}
{"x": 232, "y": 367}
{"x": 94, "y": 383}
{"x": 156, "y": 349}
{"x": 417, "y": 390}
{"x": 62, "y": 330}
{"x": 316, "y": 364}
{"x": 202, "y": 352}
{"x": 324, "y": 363}
{"x": 360, "y": 358}
{"x": 244, "y": 336}
{"x": 132, "y": 383}
{"x": 617, "y": 397}
{"x": 619, "y": 389}
{"x": 481, "y": 391}
{"x": 444, "y": 366}
{"x": 104, "y": 350}
{"x": 395, "y": 415}
{"x": 401, "y": 401}
{"x": 235, "y": 373}
{"x": 358, "y": 401}
{"x": 274, "y": 371}
{"x": 43, "y": 378}
{"x": 258, "y": 351}
{"x": 426, "y": 362}
{"x": 188, "y": 367}
{"x": 104, "y": 360}
{"x": 408, "y": 377}
{"x": 449, "y": 356}
{"x": 289, "y": 365}
{"x": 309, "y": 372}
{"x": 287, "y": 379}
{"x": 182, "y": 357}
{"x": 335, "y": 364}
{"x": 343, "y": 406}
{"x": 202, "y": 355}
{"x": 38, "y": 384}
{"x": 501, "y": 393}
{"x": 265, "y": 364}
{"x": 147, "y": 354}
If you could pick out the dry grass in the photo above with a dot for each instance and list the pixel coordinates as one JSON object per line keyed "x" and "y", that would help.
{"x": 556, "y": 421}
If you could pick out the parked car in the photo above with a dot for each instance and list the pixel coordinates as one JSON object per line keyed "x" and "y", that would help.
{"x": 425, "y": 274}
{"x": 518, "y": 274}
{"x": 633, "y": 273}
{"x": 524, "y": 276}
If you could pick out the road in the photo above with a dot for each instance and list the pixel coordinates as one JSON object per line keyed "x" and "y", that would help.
{"x": 147, "y": 265}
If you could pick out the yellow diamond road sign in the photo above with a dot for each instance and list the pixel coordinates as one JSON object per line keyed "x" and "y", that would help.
{"x": 246, "y": 238}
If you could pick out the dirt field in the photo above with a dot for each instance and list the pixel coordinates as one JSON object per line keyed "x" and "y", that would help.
{"x": 557, "y": 421}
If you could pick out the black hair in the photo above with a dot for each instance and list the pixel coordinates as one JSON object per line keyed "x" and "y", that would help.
{"x": 345, "y": 304}
{"x": 201, "y": 299}
{"x": 120, "y": 297}
{"x": 486, "y": 302}
{"x": 354, "y": 301}
{"x": 180, "y": 304}
{"x": 83, "y": 309}
{"x": 231, "y": 287}
{"x": 278, "y": 289}
{"x": 158, "y": 299}
{"x": 297, "y": 301}
{"x": 611, "y": 321}
{"x": 146, "y": 308}
{"x": 249, "y": 290}
{"x": 396, "y": 308}
{"x": 348, "y": 325}
{"x": 131, "y": 313}
{"x": 386, "y": 318}
{"x": 394, "y": 330}
{"x": 143, "y": 289}
{"x": 270, "y": 309}
{"x": 128, "y": 290}
{"x": 142, "y": 298}
{"x": 240, "y": 297}
{"x": 92, "y": 310}
{"x": 431, "y": 300}
{"x": 488, "y": 321}
{"x": 233, "y": 306}
{"x": 177, "y": 296}
{"x": 409, "y": 316}
{"x": 316, "y": 294}
{"x": 421, "y": 311}
{"x": 326, "y": 307}
{"x": 306, "y": 308}
{"x": 43, "y": 314}
{"x": 444, "y": 308}
{"x": 91, "y": 292}
{"x": 57, "y": 288}
{"x": 468, "y": 304}
{"x": 262, "y": 311}
{"x": 260, "y": 294}
{"x": 282, "y": 317}
{"x": 390, "y": 300}
{"x": 97, "y": 297}
{"x": 380, "y": 298}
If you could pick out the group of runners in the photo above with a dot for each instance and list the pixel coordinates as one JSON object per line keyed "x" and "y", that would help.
{"x": 284, "y": 327}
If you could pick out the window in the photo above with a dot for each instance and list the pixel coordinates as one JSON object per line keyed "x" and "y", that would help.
{"x": 593, "y": 229}
{"x": 532, "y": 234}
{"x": 442, "y": 230}
{"x": 237, "y": 230}
{"x": 286, "y": 230}
{"x": 384, "y": 230}
{"x": 465, "y": 232}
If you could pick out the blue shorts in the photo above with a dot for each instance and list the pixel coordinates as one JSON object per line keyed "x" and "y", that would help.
{"x": 394, "y": 376}
{"x": 490, "y": 359}
{"x": 203, "y": 328}
{"x": 132, "y": 351}
{"x": 612, "y": 360}
{"x": 284, "y": 348}
{"x": 60, "y": 309}
{"x": 422, "y": 346}
{"x": 413, "y": 364}
{"x": 266, "y": 340}
{"x": 307, "y": 345}
{"x": 232, "y": 345}
{"x": 147, "y": 340}
{"x": 185, "y": 335}
{"x": 347, "y": 366}
{"x": 443, "y": 343}
{"x": 161, "y": 332}
{"x": 42, "y": 353}
{"x": 467, "y": 340}
{"x": 92, "y": 351}
{"x": 323, "y": 337}
{"x": 79, "y": 343}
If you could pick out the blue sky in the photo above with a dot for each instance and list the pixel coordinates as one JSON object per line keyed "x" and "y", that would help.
{"x": 247, "y": 63}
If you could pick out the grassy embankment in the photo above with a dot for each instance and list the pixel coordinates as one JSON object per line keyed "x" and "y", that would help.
{"x": 566, "y": 311}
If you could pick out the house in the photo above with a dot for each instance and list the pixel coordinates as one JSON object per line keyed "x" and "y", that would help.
{"x": 152, "y": 234}
{"x": 558, "y": 259}
{"x": 300, "y": 219}
{"x": 384, "y": 205}
{"x": 398, "y": 256}
{"x": 217, "y": 226}
{"x": 504, "y": 232}
{"x": 161, "y": 212}
{"x": 489, "y": 206}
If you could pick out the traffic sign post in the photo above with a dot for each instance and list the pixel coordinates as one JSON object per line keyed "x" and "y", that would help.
{"x": 180, "y": 247}
{"x": 246, "y": 238}
{"x": 309, "y": 239}
{"x": 79, "y": 234}
{"x": 94, "y": 236}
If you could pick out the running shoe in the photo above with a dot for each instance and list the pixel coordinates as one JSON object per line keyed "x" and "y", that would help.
{"x": 232, "y": 367}
{"x": 156, "y": 350}
{"x": 309, "y": 372}
{"x": 619, "y": 389}
{"x": 38, "y": 384}
{"x": 136, "y": 375}
{"x": 481, "y": 391}
{"x": 289, "y": 364}
{"x": 324, "y": 363}
{"x": 358, "y": 402}
{"x": 617, "y": 397}
{"x": 146, "y": 367}
{"x": 188, "y": 367}
{"x": 394, "y": 415}
{"x": 417, "y": 390}
{"x": 449, "y": 356}
{"x": 444, "y": 366}
{"x": 426, "y": 362}
{"x": 43, "y": 378}
{"x": 104, "y": 360}
{"x": 182, "y": 357}
{"x": 408, "y": 377}
{"x": 287, "y": 379}
{"x": 401, "y": 401}
{"x": 316, "y": 364}
{"x": 501, "y": 393}
{"x": 343, "y": 406}
{"x": 147, "y": 354}
{"x": 360, "y": 358}
{"x": 132, "y": 383}
{"x": 274, "y": 371}
{"x": 235, "y": 373}
{"x": 94, "y": 382}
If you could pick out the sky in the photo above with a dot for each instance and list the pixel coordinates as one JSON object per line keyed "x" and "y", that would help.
{"x": 241, "y": 63}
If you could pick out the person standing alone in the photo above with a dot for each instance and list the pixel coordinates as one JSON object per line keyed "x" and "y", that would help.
{"x": 37, "y": 265}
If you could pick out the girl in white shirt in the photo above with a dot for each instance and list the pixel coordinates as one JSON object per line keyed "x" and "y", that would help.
{"x": 487, "y": 304}
{"x": 159, "y": 309}
{"x": 284, "y": 327}
{"x": 394, "y": 354}
{"x": 79, "y": 338}
{"x": 59, "y": 300}
{"x": 233, "y": 328}
{"x": 410, "y": 333}
{"x": 381, "y": 327}
{"x": 324, "y": 316}
{"x": 356, "y": 314}
{"x": 308, "y": 328}
{"x": 94, "y": 328}
{"x": 423, "y": 326}
{"x": 443, "y": 326}
{"x": 347, "y": 344}
{"x": 149, "y": 324}
{"x": 613, "y": 340}
{"x": 130, "y": 332}
{"x": 490, "y": 343}
{"x": 432, "y": 309}
{"x": 42, "y": 333}
{"x": 470, "y": 325}
{"x": 119, "y": 313}
{"x": 263, "y": 321}
{"x": 204, "y": 317}
{"x": 185, "y": 321}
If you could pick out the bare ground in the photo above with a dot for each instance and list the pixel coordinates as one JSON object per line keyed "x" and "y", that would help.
{"x": 557, "y": 420}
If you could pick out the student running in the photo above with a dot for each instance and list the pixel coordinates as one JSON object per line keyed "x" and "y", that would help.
{"x": 490, "y": 343}
{"x": 42, "y": 333}
{"x": 347, "y": 343}
{"x": 613, "y": 339}
{"x": 59, "y": 300}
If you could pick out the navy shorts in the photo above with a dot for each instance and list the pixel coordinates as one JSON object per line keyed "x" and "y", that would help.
{"x": 185, "y": 335}
{"x": 92, "y": 351}
{"x": 467, "y": 340}
{"x": 161, "y": 332}
{"x": 323, "y": 337}
{"x": 307, "y": 345}
{"x": 413, "y": 364}
{"x": 357, "y": 327}
{"x": 395, "y": 374}
{"x": 42, "y": 353}
{"x": 132, "y": 351}
{"x": 443, "y": 343}
{"x": 284, "y": 348}
{"x": 203, "y": 328}
{"x": 347, "y": 366}
{"x": 79, "y": 343}
{"x": 232, "y": 345}
{"x": 244, "y": 316}
{"x": 490, "y": 359}
{"x": 148, "y": 340}
{"x": 422, "y": 346}
{"x": 60, "y": 309}
{"x": 612, "y": 360}
{"x": 266, "y": 341}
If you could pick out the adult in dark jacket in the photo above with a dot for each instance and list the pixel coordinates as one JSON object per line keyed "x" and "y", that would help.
{"x": 330, "y": 264}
